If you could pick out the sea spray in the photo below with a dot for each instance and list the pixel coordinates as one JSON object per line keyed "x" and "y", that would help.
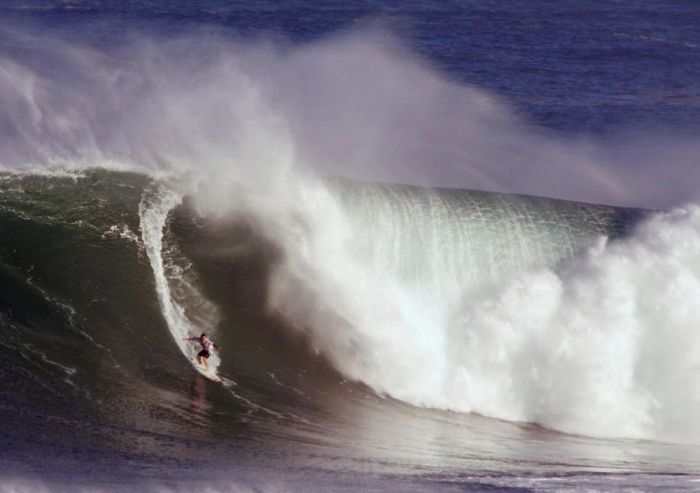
{"x": 358, "y": 104}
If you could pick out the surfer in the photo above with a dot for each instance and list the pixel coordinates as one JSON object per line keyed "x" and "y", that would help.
{"x": 207, "y": 346}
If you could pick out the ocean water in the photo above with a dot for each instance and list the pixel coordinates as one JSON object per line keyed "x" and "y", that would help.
{"x": 445, "y": 246}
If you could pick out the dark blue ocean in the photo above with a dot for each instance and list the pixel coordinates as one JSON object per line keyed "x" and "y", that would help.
{"x": 446, "y": 246}
{"x": 570, "y": 66}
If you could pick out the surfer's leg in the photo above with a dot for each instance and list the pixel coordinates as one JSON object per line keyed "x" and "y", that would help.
{"x": 202, "y": 356}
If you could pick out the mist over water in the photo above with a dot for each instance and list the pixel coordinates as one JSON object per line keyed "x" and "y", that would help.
{"x": 575, "y": 332}
{"x": 358, "y": 104}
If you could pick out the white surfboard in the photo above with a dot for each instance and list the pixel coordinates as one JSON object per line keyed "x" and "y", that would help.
{"x": 210, "y": 373}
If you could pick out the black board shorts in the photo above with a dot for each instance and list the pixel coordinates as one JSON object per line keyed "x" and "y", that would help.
{"x": 204, "y": 353}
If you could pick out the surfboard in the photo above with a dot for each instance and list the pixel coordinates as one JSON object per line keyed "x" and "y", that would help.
{"x": 210, "y": 373}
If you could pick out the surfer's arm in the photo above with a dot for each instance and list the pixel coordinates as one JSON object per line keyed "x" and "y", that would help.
{"x": 217, "y": 347}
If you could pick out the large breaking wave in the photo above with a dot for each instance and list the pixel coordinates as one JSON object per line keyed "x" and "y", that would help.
{"x": 473, "y": 302}
{"x": 561, "y": 313}
{"x": 514, "y": 307}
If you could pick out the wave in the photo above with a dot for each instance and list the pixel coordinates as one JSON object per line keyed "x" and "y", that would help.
{"x": 511, "y": 306}
{"x": 514, "y": 307}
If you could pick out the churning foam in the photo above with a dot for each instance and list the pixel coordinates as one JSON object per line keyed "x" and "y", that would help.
{"x": 606, "y": 345}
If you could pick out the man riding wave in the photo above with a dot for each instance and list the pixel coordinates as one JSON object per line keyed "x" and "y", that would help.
{"x": 207, "y": 346}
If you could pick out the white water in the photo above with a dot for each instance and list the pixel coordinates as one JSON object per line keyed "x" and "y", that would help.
{"x": 608, "y": 345}
{"x": 185, "y": 310}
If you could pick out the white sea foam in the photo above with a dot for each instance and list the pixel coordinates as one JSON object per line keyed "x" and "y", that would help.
{"x": 121, "y": 231}
{"x": 607, "y": 345}
{"x": 186, "y": 311}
